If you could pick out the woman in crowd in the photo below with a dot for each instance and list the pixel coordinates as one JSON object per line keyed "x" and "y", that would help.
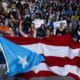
{"x": 41, "y": 32}
{"x": 76, "y": 35}
{"x": 61, "y": 30}
{"x": 32, "y": 31}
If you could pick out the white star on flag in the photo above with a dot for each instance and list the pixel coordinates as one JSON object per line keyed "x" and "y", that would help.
{"x": 23, "y": 61}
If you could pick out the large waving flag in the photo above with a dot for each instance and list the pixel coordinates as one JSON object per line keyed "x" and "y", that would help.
{"x": 18, "y": 59}
{"x": 62, "y": 56}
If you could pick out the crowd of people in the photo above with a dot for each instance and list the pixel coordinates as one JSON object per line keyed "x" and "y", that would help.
{"x": 17, "y": 18}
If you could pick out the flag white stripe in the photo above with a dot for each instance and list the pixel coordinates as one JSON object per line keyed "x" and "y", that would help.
{"x": 62, "y": 71}
{"x": 57, "y": 51}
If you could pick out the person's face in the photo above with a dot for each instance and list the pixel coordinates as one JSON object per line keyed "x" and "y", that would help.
{"x": 32, "y": 25}
{"x": 79, "y": 28}
{"x": 42, "y": 26}
{"x": 0, "y": 20}
{"x": 11, "y": 16}
{"x": 61, "y": 25}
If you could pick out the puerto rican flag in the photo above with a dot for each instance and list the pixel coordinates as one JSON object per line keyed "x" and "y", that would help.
{"x": 62, "y": 56}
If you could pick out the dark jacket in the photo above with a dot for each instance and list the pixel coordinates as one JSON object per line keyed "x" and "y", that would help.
{"x": 41, "y": 32}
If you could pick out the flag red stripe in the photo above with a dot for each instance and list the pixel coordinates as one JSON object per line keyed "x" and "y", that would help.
{"x": 65, "y": 40}
{"x": 75, "y": 77}
{"x": 31, "y": 74}
{"x": 57, "y": 61}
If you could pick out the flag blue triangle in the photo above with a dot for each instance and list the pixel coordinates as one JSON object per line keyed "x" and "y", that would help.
{"x": 18, "y": 59}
